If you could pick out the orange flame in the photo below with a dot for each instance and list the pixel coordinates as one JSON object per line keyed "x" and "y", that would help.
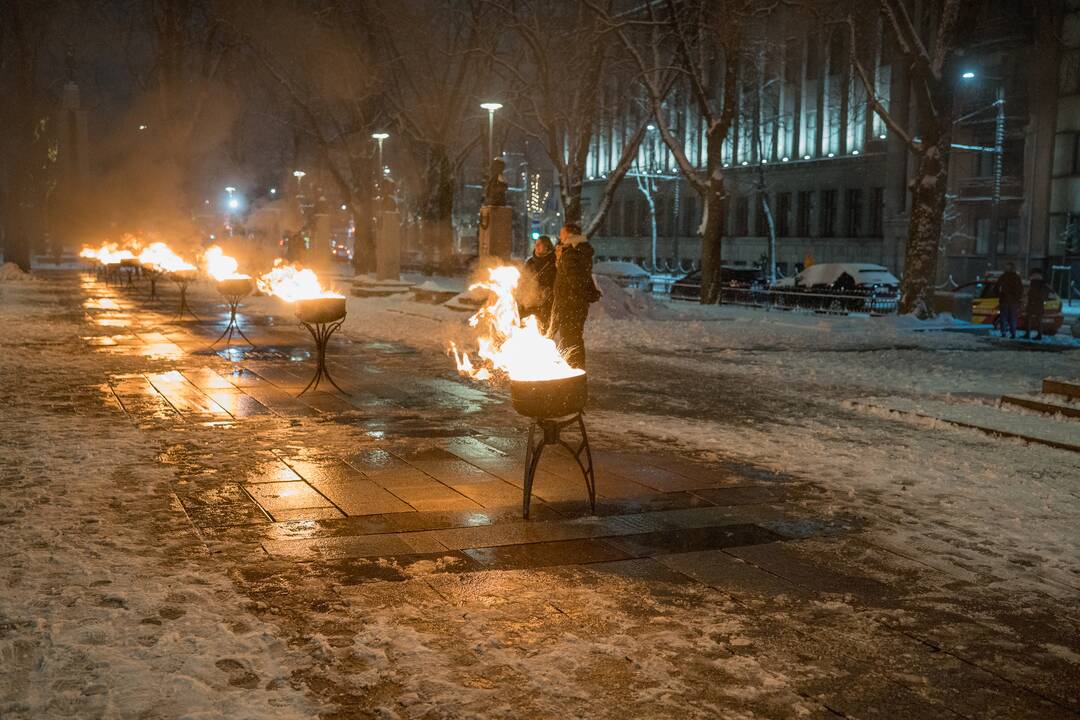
{"x": 109, "y": 253}
{"x": 160, "y": 257}
{"x": 506, "y": 344}
{"x": 221, "y": 266}
{"x": 292, "y": 283}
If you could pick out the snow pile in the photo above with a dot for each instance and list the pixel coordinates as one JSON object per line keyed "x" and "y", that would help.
{"x": 10, "y": 272}
{"x": 619, "y": 303}
{"x": 434, "y": 287}
{"x": 619, "y": 268}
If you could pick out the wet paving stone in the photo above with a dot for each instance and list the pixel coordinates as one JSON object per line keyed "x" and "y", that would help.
{"x": 740, "y": 495}
{"x": 546, "y": 554}
{"x": 693, "y": 539}
{"x": 227, "y": 515}
{"x": 399, "y": 568}
{"x": 286, "y": 496}
{"x": 361, "y": 497}
{"x": 354, "y": 546}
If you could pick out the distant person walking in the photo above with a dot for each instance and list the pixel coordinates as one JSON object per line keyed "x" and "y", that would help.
{"x": 1010, "y": 289}
{"x": 808, "y": 259}
{"x": 1036, "y": 303}
{"x": 574, "y": 292}
{"x": 538, "y": 283}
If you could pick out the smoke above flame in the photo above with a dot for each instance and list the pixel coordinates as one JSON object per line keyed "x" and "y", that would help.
{"x": 292, "y": 283}
{"x": 507, "y": 345}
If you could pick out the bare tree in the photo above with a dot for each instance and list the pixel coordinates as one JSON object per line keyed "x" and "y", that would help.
{"x": 929, "y": 46}
{"x": 304, "y": 48}
{"x": 25, "y": 27}
{"x": 438, "y": 53}
{"x": 558, "y": 90}
{"x": 682, "y": 44}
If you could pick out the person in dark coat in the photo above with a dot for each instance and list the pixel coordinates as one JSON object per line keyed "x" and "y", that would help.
{"x": 538, "y": 282}
{"x": 1036, "y": 304}
{"x": 574, "y": 292}
{"x": 1010, "y": 289}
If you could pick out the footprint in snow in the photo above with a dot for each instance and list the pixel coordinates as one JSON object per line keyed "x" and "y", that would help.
{"x": 239, "y": 675}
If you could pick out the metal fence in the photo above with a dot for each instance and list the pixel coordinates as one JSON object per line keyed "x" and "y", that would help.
{"x": 839, "y": 302}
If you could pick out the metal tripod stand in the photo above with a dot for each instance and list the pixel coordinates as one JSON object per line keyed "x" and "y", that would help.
{"x": 550, "y": 434}
{"x": 321, "y": 333}
{"x": 183, "y": 283}
{"x": 233, "y": 326}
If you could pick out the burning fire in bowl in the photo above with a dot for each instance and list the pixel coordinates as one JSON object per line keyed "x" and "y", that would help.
{"x": 556, "y": 398}
{"x": 543, "y": 385}
{"x": 320, "y": 311}
{"x": 234, "y": 286}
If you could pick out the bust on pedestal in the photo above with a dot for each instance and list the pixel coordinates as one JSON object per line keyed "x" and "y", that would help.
{"x": 387, "y": 233}
{"x": 496, "y": 218}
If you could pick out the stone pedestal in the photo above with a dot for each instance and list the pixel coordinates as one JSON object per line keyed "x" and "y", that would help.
{"x": 320, "y": 256}
{"x": 388, "y": 246}
{"x": 496, "y": 231}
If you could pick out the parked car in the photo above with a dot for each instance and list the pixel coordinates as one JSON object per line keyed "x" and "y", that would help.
{"x": 985, "y": 310}
{"x": 843, "y": 286}
{"x": 625, "y": 274}
{"x": 737, "y": 279}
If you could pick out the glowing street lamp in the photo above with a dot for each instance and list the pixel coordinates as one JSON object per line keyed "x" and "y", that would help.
{"x": 491, "y": 107}
{"x": 379, "y": 137}
{"x": 232, "y": 202}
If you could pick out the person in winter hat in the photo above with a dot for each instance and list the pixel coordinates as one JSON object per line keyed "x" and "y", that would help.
{"x": 1010, "y": 289}
{"x": 538, "y": 282}
{"x": 1036, "y": 304}
{"x": 574, "y": 292}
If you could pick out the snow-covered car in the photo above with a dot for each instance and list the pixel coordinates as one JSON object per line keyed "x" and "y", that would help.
{"x": 849, "y": 286}
{"x": 625, "y": 274}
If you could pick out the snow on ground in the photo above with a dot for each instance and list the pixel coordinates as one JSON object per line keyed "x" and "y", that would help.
{"x": 110, "y": 606}
{"x": 10, "y": 272}
{"x": 1000, "y": 509}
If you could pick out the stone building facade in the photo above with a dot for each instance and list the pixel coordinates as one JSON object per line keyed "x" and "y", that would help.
{"x": 836, "y": 178}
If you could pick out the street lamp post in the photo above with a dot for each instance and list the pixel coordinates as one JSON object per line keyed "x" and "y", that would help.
{"x": 491, "y": 107}
{"x": 999, "y": 153}
{"x": 379, "y": 137}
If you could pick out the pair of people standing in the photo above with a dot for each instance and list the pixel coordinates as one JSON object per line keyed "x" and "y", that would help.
{"x": 560, "y": 288}
{"x": 1010, "y": 290}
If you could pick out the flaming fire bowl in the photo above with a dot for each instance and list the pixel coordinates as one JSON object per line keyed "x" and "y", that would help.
{"x": 549, "y": 398}
{"x": 183, "y": 278}
{"x": 322, "y": 317}
{"x": 234, "y": 289}
{"x": 554, "y": 405}
{"x": 320, "y": 310}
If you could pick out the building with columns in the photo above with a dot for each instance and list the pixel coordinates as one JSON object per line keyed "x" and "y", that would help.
{"x": 836, "y": 178}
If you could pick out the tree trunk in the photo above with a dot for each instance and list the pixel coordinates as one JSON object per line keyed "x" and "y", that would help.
{"x": 770, "y": 222}
{"x": 438, "y": 211}
{"x": 364, "y": 234}
{"x": 924, "y": 232}
{"x": 712, "y": 238}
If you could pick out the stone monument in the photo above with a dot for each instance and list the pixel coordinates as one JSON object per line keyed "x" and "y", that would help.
{"x": 496, "y": 217}
{"x": 320, "y": 254}
{"x": 387, "y": 233}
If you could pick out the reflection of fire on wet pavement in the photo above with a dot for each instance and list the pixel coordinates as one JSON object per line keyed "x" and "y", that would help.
{"x": 376, "y": 531}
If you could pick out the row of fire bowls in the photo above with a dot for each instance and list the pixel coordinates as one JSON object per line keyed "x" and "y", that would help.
{"x": 555, "y": 398}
